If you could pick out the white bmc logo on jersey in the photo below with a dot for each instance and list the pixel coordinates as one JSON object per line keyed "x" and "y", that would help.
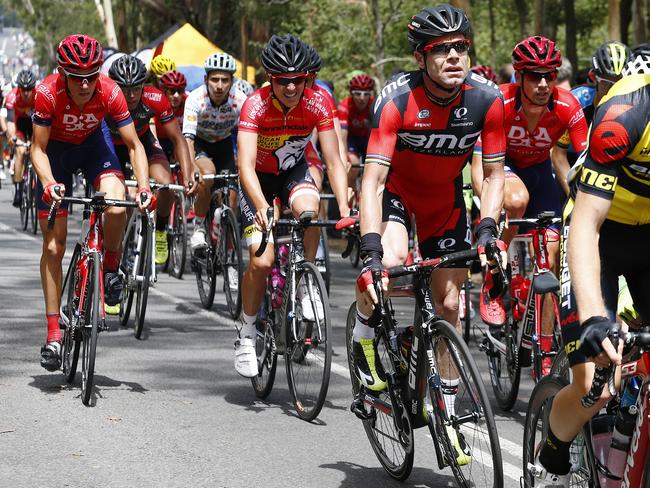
{"x": 81, "y": 122}
{"x": 520, "y": 137}
{"x": 432, "y": 143}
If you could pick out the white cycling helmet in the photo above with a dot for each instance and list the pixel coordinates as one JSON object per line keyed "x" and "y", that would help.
{"x": 220, "y": 61}
{"x": 638, "y": 65}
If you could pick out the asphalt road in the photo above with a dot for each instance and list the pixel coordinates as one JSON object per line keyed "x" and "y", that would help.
{"x": 170, "y": 411}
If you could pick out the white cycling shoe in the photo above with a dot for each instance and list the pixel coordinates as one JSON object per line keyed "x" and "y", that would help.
{"x": 197, "y": 241}
{"x": 245, "y": 357}
{"x": 306, "y": 304}
{"x": 543, "y": 479}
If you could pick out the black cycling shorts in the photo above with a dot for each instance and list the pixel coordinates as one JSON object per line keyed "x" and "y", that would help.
{"x": 221, "y": 153}
{"x": 155, "y": 153}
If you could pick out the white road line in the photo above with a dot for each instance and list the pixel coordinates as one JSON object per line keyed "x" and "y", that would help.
{"x": 17, "y": 233}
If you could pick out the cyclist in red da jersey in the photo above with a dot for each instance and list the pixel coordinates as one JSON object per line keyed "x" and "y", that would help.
{"x": 274, "y": 132}
{"x": 355, "y": 111}
{"x": 70, "y": 134}
{"x": 537, "y": 113}
{"x": 145, "y": 103}
{"x": 424, "y": 127}
{"x": 173, "y": 84}
{"x": 20, "y": 106}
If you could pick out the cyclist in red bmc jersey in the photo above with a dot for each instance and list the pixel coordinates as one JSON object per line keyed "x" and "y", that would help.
{"x": 70, "y": 134}
{"x": 424, "y": 128}
{"x": 275, "y": 129}
{"x": 173, "y": 84}
{"x": 537, "y": 113}
{"x": 145, "y": 103}
{"x": 20, "y": 106}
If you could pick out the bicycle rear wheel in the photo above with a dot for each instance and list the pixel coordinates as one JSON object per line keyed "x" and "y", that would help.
{"x": 584, "y": 472}
{"x": 70, "y": 317}
{"x": 467, "y": 412}
{"x": 505, "y": 371}
{"x": 467, "y": 319}
{"x": 394, "y": 448}
{"x": 308, "y": 353}
{"x": 24, "y": 209}
{"x": 126, "y": 267}
{"x": 231, "y": 262}
{"x": 90, "y": 328}
{"x": 142, "y": 290}
{"x": 267, "y": 359}
{"x": 178, "y": 238}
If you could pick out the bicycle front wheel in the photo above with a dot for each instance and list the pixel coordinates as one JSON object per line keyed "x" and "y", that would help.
{"x": 393, "y": 447}
{"x": 460, "y": 416}
{"x": 126, "y": 267}
{"x": 584, "y": 471}
{"x": 33, "y": 212}
{"x": 142, "y": 291}
{"x": 24, "y": 209}
{"x": 505, "y": 371}
{"x": 90, "y": 329}
{"x": 308, "y": 353}
{"x": 231, "y": 262}
{"x": 178, "y": 238}
{"x": 205, "y": 269}
{"x": 70, "y": 317}
{"x": 267, "y": 359}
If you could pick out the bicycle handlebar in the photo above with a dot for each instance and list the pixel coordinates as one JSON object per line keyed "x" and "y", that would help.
{"x": 265, "y": 235}
{"x": 97, "y": 201}
{"x": 441, "y": 262}
{"x": 156, "y": 186}
{"x": 224, "y": 176}
{"x": 606, "y": 375}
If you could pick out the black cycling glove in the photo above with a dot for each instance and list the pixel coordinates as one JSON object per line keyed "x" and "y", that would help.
{"x": 594, "y": 332}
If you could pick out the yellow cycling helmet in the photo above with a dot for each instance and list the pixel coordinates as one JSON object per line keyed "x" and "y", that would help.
{"x": 161, "y": 65}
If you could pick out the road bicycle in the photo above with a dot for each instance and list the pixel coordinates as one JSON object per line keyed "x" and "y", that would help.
{"x": 282, "y": 327}
{"x": 517, "y": 343}
{"x": 82, "y": 293}
{"x": 590, "y": 449}
{"x": 223, "y": 254}
{"x": 138, "y": 263}
{"x": 177, "y": 229}
{"x": 28, "y": 210}
{"x": 416, "y": 360}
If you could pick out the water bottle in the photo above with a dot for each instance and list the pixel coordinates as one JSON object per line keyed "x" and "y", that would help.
{"x": 277, "y": 284}
{"x": 623, "y": 429}
{"x": 215, "y": 228}
{"x": 631, "y": 392}
{"x": 601, "y": 438}
{"x": 283, "y": 257}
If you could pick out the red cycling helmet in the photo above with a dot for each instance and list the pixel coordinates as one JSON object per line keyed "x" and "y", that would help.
{"x": 173, "y": 80}
{"x": 79, "y": 51}
{"x": 485, "y": 71}
{"x": 536, "y": 53}
{"x": 362, "y": 82}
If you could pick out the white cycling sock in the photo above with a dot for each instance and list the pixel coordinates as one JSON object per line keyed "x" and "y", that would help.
{"x": 361, "y": 328}
{"x": 248, "y": 326}
{"x": 449, "y": 390}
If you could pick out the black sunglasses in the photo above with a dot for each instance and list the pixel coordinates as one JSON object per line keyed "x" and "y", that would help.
{"x": 537, "y": 76}
{"x": 461, "y": 47}
{"x": 286, "y": 80}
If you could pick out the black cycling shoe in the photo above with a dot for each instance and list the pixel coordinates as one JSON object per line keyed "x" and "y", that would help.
{"x": 112, "y": 288}
{"x": 51, "y": 356}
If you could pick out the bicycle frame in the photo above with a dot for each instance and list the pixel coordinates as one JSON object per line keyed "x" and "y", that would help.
{"x": 636, "y": 458}
{"x": 137, "y": 220}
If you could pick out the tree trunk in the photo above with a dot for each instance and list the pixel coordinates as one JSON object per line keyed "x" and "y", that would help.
{"x": 243, "y": 52}
{"x": 522, "y": 13}
{"x": 493, "y": 38}
{"x": 539, "y": 18}
{"x": 614, "y": 20}
{"x": 640, "y": 23}
{"x": 122, "y": 32}
{"x": 111, "y": 37}
{"x": 379, "y": 40}
{"x": 571, "y": 36}
{"x": 626, "y": 17}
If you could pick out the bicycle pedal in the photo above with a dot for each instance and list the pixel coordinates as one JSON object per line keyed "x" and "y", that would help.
{"x": 357, "y": 408}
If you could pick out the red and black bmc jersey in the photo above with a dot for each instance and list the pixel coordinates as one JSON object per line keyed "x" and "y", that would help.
{"x": 427, "y": 144}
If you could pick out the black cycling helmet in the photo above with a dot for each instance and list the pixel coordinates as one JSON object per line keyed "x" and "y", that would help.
{"x": 438, "y": 21}
{"x": 128, "y": 71}
{"x": 641, "y": 49}
{"x": 314, "y": 60}
{"x": 610, "y": 59}
{"x": 26, "y": 80}
{"x": 285, "y": 54}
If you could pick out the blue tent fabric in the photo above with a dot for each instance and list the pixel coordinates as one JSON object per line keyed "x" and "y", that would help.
{"x": 195, "y": 76}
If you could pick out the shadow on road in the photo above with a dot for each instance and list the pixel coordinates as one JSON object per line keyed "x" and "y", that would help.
{"x": 357, "y": 475}
{"x": 55, "y": 383}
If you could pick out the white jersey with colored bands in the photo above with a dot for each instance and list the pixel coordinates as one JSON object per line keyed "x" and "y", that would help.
{"x": 209, "y": 122}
